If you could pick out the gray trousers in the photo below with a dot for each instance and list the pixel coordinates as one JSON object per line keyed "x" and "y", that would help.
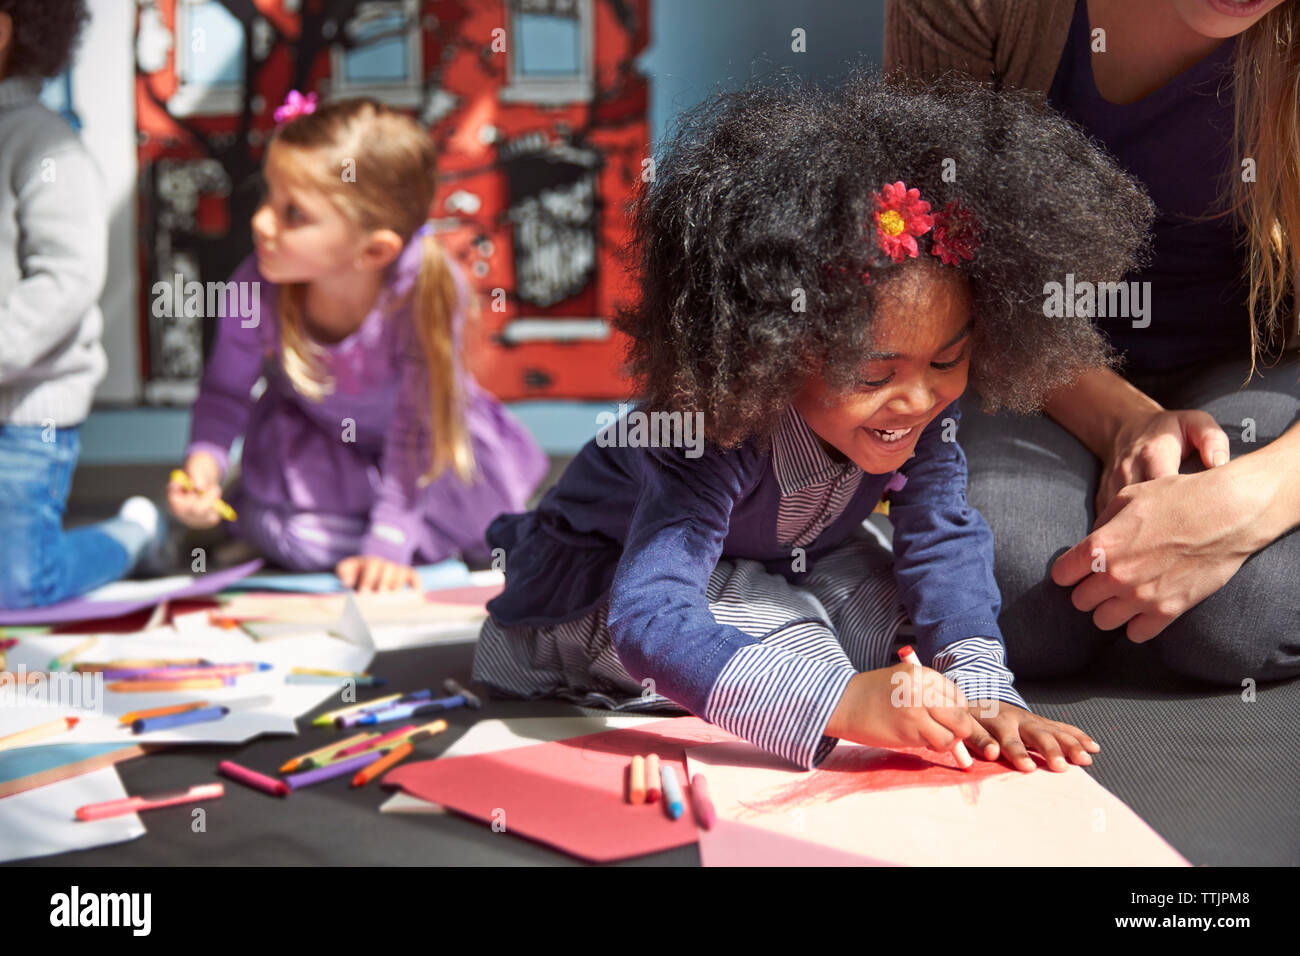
{"x": 1035, "y": 485}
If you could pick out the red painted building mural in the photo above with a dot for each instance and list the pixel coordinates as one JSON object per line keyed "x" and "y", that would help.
{"x": 540, "y": 117}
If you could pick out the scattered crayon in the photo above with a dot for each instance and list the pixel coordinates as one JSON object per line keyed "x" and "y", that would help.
{"x": 293, "y": 764}
{"x": 672, "y": 792}
{"x": 703, "y": 805}
{"x": 395, "y": 756}
{"x": 251, "y": 778}
{"x": 223, "y": 509}
{"x": 165, "y": 686}
{"x": 329, "y": 771}
{"x": 652, "y": 791}
{"x": 636, "y": 785}
{"x": 959, "y": 751}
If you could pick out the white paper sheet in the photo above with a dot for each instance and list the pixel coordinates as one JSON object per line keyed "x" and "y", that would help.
{"x": 351, "y": 650}
{"x": 42, "y": 822}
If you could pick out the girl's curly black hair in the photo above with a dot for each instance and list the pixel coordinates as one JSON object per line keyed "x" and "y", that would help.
{"x": 771, "y": 190}
{"x": 45, "y": 31}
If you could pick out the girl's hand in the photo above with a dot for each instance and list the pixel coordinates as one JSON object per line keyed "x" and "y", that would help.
{"x": 1163, "y": 546}
{"x": 1010, "y": 731}
{"x": 1153, "y": 445}
{"x": 902, "y": 706}
{"x": 193, "y": 507}
{"x": 368, "y": 573}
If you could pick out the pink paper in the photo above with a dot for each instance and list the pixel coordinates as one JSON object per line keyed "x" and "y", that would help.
{"x": 735, "y": 844}
{"x": 912, "y": 808}
{"x": 569, "y": 794}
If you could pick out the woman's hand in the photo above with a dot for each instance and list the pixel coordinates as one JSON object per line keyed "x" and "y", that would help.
{"x": 1153, "y": 444}
{"x": 1164, "y": 545}
{"x": 194, "y": 506}
{"x": 1009, "y": 731}
{"x": 368, "y": 573}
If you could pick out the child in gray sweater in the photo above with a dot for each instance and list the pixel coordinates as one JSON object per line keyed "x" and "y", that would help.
{"x": 53, "y": 249}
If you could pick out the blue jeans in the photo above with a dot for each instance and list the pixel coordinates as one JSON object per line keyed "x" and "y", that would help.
{"x": 40, "y": 563}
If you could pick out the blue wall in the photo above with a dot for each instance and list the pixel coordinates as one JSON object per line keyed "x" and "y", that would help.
{"x": 700, "y": 46}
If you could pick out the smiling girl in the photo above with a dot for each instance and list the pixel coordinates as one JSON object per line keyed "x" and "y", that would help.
{"x": 821, "y": 274}
{"x": 371, "y": 447}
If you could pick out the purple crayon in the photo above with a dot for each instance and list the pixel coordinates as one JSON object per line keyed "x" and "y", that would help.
{"x": 351, "y": 765}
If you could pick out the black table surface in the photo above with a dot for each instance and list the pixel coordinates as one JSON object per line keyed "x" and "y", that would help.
{"x": 1215, "y": 774}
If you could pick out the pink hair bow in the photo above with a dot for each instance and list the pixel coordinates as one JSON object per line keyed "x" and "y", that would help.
{"x": 295, "y": 105}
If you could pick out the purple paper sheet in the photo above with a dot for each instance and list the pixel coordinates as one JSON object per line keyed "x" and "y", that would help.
{"x": 79, "y": 609}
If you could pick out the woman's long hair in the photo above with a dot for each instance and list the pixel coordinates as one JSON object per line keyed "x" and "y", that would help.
{"x": 1267, "y": 96}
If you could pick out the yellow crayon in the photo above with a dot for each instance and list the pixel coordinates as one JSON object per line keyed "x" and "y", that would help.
{"x": 223, "y": 509}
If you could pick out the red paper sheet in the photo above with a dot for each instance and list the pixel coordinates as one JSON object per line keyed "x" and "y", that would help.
{"x": 570, "y": 794}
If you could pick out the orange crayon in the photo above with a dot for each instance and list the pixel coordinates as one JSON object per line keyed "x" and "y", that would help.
{"x": 371, "y": 771}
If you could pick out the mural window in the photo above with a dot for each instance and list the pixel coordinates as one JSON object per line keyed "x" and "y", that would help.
{"x": 210, "y": 43}
{"x": 381, "y": 55}
{"x": 550, "y": 51}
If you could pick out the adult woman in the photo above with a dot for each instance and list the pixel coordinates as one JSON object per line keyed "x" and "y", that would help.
{"x": 1198, "y": 98}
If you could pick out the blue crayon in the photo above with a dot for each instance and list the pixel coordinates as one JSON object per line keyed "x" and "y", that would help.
{"x": 147, "y": 724}
{"x": 672, "y": 791}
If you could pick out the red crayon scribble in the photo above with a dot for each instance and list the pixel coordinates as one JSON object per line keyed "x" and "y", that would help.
{"x": 850, "y": 770}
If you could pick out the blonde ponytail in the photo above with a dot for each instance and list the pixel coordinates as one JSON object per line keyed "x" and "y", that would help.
{"x": 434, "y": 311}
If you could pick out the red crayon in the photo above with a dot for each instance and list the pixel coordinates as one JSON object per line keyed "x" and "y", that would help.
{"x": 653, "y": 781}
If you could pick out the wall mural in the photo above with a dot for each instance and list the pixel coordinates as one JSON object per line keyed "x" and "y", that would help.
{"x": 540, "y": 117}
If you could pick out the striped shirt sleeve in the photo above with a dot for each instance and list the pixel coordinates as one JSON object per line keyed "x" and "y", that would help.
{"x": 977, "y": 666}
{"x": 780, "y": 701}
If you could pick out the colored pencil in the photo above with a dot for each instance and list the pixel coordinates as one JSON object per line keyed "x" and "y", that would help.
{"x": 292, "y": 765}
{"x": 115, "y": 808}
{"x": 133, "y": 716}
{"x": 164, "y": 686}
{"x": 87, "y": 644}
{"x": 141, "y": 662}
{"x": 39, "y": 732}
{"x": 360, "y": 681}
{"x": 374, "y": 742}
{"x": 326, "y": 719}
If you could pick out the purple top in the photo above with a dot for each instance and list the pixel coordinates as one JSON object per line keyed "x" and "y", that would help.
{"x": 363, "y": 448}
{"x": 1178, "y": 142}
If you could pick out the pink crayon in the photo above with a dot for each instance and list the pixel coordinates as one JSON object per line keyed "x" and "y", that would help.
{"x": 703, "y": 805}
{"x": 373, "y": 742}
{"x": 258, "y": 781}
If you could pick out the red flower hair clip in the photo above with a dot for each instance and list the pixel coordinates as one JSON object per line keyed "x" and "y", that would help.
{"x": 901, "y": 215}
{"x": 956, "y": 234}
